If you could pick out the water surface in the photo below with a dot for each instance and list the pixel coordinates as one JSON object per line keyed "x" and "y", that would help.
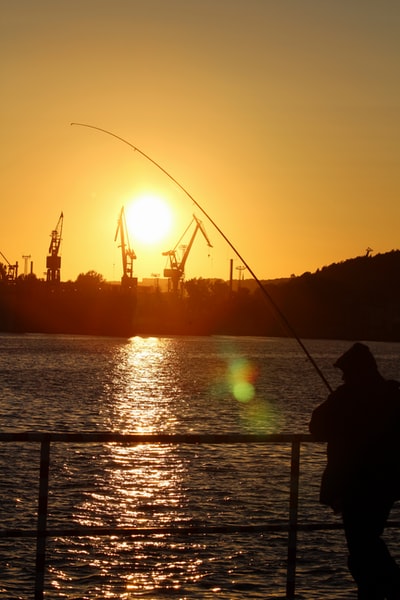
{"x": 174, "y": 385}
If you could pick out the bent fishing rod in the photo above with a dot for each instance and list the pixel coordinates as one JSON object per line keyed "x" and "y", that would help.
{"x": 263, "y": 289}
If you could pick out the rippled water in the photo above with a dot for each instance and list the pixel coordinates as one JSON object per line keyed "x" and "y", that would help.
{"x": 174, "y": 385}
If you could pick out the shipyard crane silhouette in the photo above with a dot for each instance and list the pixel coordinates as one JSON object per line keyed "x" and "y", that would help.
{"x": 128, "y": 254}
{"x": 11, "y": 271}
{"x": 176, "y": 270}
{"x": 53, "y": 261}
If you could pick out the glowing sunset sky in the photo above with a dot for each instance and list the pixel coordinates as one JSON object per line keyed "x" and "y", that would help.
{"x": 281, "y": 118}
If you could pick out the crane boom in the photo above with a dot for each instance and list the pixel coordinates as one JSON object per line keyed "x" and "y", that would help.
{"x": 53, "y": 261}
{"x": 176, "y": 269}
{"x": 199, "y": 227}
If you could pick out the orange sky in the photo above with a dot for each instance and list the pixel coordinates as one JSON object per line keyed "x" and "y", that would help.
{"x": 280, "y": 118}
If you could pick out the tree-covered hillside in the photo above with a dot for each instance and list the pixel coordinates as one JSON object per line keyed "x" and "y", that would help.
{"x": 355, "y": 299}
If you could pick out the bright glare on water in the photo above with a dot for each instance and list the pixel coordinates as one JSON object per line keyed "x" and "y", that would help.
{"x": 170, "y": 385}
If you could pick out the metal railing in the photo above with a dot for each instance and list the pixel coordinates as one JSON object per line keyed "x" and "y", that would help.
{"x": 41, "y": 533}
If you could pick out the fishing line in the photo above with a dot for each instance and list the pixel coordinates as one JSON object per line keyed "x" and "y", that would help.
{"x": 265, "y": 292}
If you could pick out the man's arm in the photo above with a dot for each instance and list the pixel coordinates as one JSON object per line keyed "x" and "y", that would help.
{"x": 321, "y": 421}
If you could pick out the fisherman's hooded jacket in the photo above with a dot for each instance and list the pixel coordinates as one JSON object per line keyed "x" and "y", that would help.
{"x": 361, "y": 425}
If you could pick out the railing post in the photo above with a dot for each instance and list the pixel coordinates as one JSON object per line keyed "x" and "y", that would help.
{"x": 42, "y": 517}
{"x": 293, "y": 515}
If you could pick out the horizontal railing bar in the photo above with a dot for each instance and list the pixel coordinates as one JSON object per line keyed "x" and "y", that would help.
{"x": 159, "y": 438}
{"x": 133, "y": 531}
{"x": 198, "y": 529}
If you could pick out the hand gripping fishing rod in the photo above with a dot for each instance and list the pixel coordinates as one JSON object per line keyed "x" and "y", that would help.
{"x": 265, "y": 292}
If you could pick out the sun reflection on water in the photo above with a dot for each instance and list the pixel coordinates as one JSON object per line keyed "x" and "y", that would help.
{"x": 155, "y": 385}
{"x": 140, "y": 485}
{"x": 141, "y": 387}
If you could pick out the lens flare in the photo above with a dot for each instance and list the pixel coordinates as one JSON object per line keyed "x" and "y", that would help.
{"x": 241, "y": 376}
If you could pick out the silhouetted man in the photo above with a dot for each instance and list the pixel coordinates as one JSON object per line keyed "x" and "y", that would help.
{"x": 361, "y": 423}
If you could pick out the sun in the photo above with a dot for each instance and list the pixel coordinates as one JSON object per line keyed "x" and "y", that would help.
{"x": 149, "y": 219}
